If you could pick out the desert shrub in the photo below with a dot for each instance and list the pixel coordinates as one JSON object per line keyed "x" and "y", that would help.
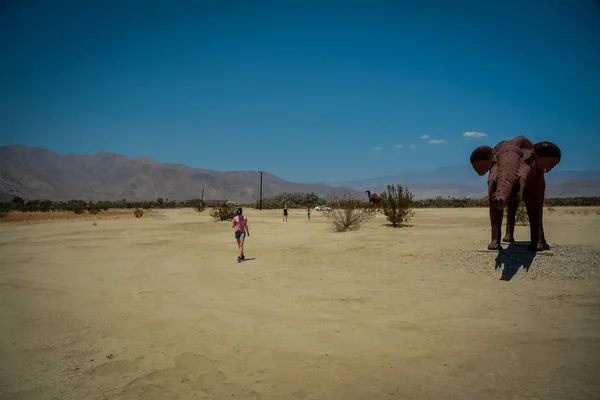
{"x": 138, "y": 213}
{"x": 348, "y": 214}
{"x": 78, "y": 209}
{"x": 18, "y": 200}
{"x": 223, "y": 212}
{"x": 292, "y": 200}
{"x": 521, "y": 217}
{"x": 551, "y": 209}
{"x": 396, "y": 205}
{"x": 5, "y": 209}
{"x": 200, "y": 208}
{"x": 94, "y": 208}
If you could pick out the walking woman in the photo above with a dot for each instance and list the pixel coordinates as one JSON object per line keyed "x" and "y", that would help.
{"x": 240, "y": 223}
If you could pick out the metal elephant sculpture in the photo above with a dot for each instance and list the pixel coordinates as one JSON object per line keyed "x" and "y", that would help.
{"x": 516, "y": 172}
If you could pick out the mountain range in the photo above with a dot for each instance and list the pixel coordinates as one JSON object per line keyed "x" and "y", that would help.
{"x": 462, "y": 181}
{"x": 37, "y": 173}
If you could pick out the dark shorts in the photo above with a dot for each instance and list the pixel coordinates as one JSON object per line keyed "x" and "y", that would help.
{"x": 240, "y": 234}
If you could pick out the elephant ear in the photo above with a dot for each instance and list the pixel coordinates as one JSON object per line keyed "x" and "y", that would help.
{"x": 548, "y": 155}
{"x": 481, "y": 159}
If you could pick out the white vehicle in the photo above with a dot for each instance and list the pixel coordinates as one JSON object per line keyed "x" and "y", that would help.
{"x": 322, "y": 208}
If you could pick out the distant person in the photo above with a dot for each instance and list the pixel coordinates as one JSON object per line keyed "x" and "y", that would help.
{"x": 240, "y": 223}
{"x": 308, "y": 211}
{"x": 285, "y": 212}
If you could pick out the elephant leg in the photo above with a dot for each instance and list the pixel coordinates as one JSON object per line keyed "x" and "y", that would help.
{"x": 542, "y": 239}
{"x": 496, "y": 223}
{"x": 542, "y": 231}
{"x": 535, "y": 219}
{"x": 542, "y": 224}
{"x": 511, "y": 214}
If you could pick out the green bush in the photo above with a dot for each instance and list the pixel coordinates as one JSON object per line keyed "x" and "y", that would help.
{"x": 223, "y": 212}
{"x": 94, "y": 208}
{"x": 348, "y": 214}
{"x": 78, "y": 209}
{"x": 396, "y": 204}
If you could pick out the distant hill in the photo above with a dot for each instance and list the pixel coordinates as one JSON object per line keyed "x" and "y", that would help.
{"x": 461, "y": 180}
{"x": 36, "y": 173}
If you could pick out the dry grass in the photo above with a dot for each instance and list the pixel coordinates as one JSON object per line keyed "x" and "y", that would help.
{"x": 18, "y": 216}
{"x": 576, "y": 210}
{"x": 159, "y": 308}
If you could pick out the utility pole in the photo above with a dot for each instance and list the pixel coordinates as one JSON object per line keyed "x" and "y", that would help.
{"x": 261, "y": 174}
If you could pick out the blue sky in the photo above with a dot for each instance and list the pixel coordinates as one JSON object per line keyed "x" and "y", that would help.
{"x": 310, "y": 90}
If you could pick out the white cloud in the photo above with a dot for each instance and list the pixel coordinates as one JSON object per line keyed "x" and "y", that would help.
{"x": 425, "y": 137}
{"x": 437, "y": 141}
{"x": 413, "y": 146}
{"x": 474, "y": 135}
{"x": 376, "y": 148}
{"x": 399, "y": 146}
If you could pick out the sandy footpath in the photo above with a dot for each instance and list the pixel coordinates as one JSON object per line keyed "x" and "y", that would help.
{"x": 158, "y": 308}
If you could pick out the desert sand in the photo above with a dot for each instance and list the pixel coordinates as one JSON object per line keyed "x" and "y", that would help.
{"x": 159, "y": 308}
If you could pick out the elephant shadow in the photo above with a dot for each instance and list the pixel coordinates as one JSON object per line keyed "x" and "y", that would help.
{"x": 513, "y": 257}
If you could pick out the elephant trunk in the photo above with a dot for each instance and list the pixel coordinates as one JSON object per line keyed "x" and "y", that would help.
{"x": 508, "y": 182}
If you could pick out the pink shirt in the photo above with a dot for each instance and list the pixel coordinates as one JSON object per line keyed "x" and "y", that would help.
{"x": 240, "y": 223}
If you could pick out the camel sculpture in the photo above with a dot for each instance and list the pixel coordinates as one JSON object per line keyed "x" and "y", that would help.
{"x": 373, "y": 198}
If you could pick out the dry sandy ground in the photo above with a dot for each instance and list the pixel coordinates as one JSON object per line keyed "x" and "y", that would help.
{"x": 159, "y": 308}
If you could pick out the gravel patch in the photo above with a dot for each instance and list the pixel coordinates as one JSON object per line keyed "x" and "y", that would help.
{"x": 562, "y": 262}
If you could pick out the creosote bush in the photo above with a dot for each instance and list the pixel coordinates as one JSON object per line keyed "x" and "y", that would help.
{"x": 200, "y": 207}
{"x": 292, "y": 200}
{"x": 223, "y": 212}
{"x": 348, "y": 214}
{"x": 521, "y": 217}
{"x": 396, "y": 204}
{"x": 138, "y": 212}
{"x": 78, "y": 209}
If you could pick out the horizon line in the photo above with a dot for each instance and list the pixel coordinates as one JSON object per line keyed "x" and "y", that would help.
{"x": 251, "y": 170}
